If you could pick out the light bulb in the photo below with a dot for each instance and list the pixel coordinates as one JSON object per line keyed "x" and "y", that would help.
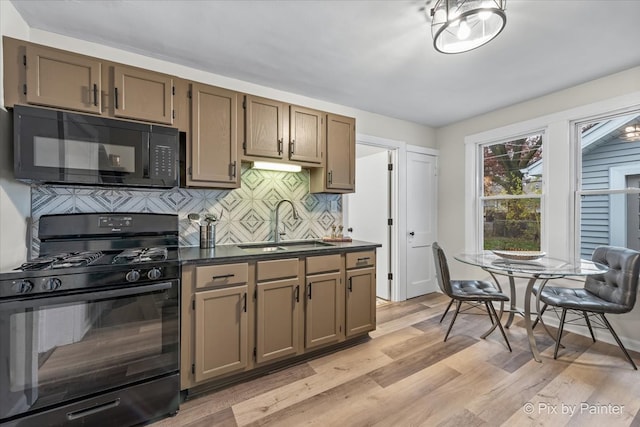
{"x": 464, "y": 30}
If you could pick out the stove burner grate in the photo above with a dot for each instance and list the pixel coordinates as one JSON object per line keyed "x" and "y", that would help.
{"x": 134, "y": 256}
{"x": 63, "y": 260}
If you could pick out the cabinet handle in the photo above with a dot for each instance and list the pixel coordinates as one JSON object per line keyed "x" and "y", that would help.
{"x": 115, "y": 90}
{"x": 330, "y": 177}
{"x": 233, "y": 169}
{"x": 297, "y": 293}
{"x": 223, "y": 276}
{"x": 280, "y": 146}
{"x": 309, "y": 294}
{"x": 363, "y": 259}
{"x": 244, "y": 304}
{"x": 350, "y": 284}
{"x": 291, "y": 147}
{"x": 95, "y": 94}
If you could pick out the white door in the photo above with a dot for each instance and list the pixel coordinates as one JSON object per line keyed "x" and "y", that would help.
{"x": 421, "y": 223}
{"x": 368, "y": 209}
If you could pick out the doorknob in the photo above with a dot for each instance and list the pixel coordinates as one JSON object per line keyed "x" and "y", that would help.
{"x": 412, "y": 234}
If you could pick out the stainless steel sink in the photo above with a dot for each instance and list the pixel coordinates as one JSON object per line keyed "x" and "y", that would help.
{"x": 261, "y": 248}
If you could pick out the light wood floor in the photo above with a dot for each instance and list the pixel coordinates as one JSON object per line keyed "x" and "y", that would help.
{"x": 406, "y": 376}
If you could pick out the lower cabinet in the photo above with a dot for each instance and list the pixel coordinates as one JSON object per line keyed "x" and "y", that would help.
{"x": 278, "y": 303}
{"x": 243, "y": 316}
{"x": 324, "y": 309}
{"x": 221, "y": 332}
{"x": 361, "y": 292}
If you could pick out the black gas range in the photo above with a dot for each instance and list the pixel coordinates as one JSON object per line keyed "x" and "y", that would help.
{"x": 89, "y": 329}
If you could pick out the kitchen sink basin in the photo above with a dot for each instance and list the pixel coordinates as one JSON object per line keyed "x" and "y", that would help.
{"x": 261, "y": 248}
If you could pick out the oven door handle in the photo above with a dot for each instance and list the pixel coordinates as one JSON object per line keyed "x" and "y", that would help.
{"x": 85, "y": 296}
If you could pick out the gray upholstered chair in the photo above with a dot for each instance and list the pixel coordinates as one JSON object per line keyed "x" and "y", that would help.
{"x": 470, "y": 291}
{"x": 613, "y": 292}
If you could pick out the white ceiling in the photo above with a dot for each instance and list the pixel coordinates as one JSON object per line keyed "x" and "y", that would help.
{"x": 372, "y": 55}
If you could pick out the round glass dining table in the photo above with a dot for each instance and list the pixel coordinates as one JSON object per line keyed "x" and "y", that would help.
{"x": 538, "y": 271}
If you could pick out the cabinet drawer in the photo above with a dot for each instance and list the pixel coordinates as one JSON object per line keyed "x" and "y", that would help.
{"x": 361, "y": 259}
{"x": 221, "y": 275}
{"x": 277, "y": 269}
{"x": 323, "y": 263}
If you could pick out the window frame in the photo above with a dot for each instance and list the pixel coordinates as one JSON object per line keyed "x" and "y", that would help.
{"x": 577, "y": 191}
{"x": 481, "y": 198}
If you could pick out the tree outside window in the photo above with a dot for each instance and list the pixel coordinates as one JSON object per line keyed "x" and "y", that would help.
{"x": 511, "y": 194}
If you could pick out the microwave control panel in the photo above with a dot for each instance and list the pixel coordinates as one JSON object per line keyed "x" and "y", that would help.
{"x": 163, "y": 158}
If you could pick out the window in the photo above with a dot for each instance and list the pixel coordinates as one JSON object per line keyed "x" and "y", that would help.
{"x": 608, "y": 196}
{"x": 511, "y": 194}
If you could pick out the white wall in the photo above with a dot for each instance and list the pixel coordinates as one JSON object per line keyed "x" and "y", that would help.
{"x": 553, "y": 113}
{"x": 534, "y": 113}
{"x": 14, "y": 197}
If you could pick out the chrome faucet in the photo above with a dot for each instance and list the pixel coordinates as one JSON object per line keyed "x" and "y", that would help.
{"x": 295, "y": 216}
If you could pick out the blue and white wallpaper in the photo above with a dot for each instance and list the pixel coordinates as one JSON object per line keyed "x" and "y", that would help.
{"x": 247, "y": 213}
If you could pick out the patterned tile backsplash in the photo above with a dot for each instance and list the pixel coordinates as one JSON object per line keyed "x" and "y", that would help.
{"x": 247, "y": 212}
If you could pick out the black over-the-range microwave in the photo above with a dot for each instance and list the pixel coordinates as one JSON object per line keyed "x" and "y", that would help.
{"x": 52, "y": 146}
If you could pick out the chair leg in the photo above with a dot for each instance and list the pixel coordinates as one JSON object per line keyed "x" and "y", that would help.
{"x": 615, "y": 336}
{"x": 446, "y": 311}
{"x": 455, "y": 314}
{"x": 586, "y": 319}
{"x": 560, "y": 328}
{"x": 544, "y": 307}
{"x": 491, "y": 310}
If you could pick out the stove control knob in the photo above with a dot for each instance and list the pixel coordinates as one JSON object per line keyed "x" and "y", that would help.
{"x": 22, "y": 286}
{"x": 154, "y": 274}
{"x": 52, "y": 284}
{"x": 132, "y": 276}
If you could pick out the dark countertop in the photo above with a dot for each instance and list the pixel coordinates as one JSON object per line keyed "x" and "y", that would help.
{"x": 233, "y": 253}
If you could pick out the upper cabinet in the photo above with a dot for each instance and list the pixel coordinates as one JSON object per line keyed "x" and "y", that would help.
{"x": 339, "y": 173}
{"x": 41, "y": 75}
{"x": 212, "y": 152}
{"x": 306, "y": 136}
{"x": 264, "y": 127}
{"x": 282, "y": 132}
{"x": 220, "y": 128}
{"x": 60, "y": 79}
{"x": 142, "y": 95}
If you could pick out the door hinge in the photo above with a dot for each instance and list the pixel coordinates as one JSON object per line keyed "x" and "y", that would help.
{"x": 173, "y": 90}
{"x": 193, "y": 304}
{"x": 244, "y": 145}
{"x": 190, "y": 173}
{"x": 244, "y": 104}
{"x": 390, "y": 166}
{"x": 193, "y": 368}
{"x": 255, "y": 353}
{"x": 255, "y": 294}
{"x": 24, "y": 60}
{"x": 390, "y": 276}
{"x": 189, "y": 94}
{"x": 390, "y": 221}
{"x": 173, "y": 113}
{"x": 24, "y": 88}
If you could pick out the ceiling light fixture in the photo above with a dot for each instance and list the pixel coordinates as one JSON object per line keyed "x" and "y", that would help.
{"x": 462, "y": 25}
{"x": 631, "y": 133}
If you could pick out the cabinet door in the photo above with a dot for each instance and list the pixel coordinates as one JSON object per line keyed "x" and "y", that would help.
{"x": 277, "y": 319}
{"x": 143, "y": 95}
{"x": 65, "y": 80}
{"x": 214, "y": 144}
{"x": 361, "y": 301}
{"x": 324, "y": 313}
{"x": 306, "y": 136}
{"x": 264, "y": 119}
{"x": 221, "y": 336}
{"x": 341, "y": 153}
